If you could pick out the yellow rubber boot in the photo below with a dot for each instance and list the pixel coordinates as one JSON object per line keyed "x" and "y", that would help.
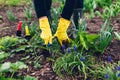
{"x": 61, "y": 33}
{"x": 46, "y": 34}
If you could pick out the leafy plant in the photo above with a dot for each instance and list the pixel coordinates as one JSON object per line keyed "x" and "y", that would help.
{"x": 117, "y": 35}
{"x": 29, "y": 78}
{"x": 28, "y": 13}
{"x": 3, "y": 78}
{"x": 3, "y": 55}
{"x": 86, "y": 41}
{"x": 5, "y": 67}
{"x": 109, "y": 11}
{"x": 55, "y": 21}
{"x": 11, "y": 16}
{"x": 11, "y": 67}
{"x": 105, "y": 36}
{"x": 79, "y": 60}
{"x": 77, "y": 63}
{"x": 111, "y": 72}
{"x": 7, "y": 42}
{"x": 109, "y": 8}
{"x": 21, "y": 48}
{"x": 18, "y": 65}
{"x": 33, "y": 28}
{"x": 93, "y": 42}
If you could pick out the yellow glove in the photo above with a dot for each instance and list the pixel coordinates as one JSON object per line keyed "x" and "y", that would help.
{"x": 61, "y": 33}
{"x": 46, "y": 34}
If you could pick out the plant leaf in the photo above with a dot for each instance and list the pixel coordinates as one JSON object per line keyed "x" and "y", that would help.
{"x": 18, "y": 65}
{"x": 30, "y": 78}
{"x": 3, "y": 78}
{"x": 3, "y": 55}
{"x": 5, "y": 67}
{"x": 83, "y": 42}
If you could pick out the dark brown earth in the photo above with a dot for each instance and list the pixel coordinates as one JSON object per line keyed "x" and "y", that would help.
{"x": 46, "y": 72}
{"x": 9, "y": 28}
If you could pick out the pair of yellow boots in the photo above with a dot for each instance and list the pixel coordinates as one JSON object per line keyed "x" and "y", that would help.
{"x": 61, "y": 33}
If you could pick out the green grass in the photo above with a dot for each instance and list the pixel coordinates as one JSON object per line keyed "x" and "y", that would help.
{"x": 14, "y": 2}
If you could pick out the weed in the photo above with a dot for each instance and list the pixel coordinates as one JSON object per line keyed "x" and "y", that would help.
{"x": 28, "y": 13}
{"x": 11, "y": 16}
{"x": 106, "y": 34}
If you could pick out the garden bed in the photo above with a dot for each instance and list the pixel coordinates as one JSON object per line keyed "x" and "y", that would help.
{"x": 45, "y": 72}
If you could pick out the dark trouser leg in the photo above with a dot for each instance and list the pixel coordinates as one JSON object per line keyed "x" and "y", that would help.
{"x": 78, "y": 12}
{"x": 48, "y": 6}
{"x": 42, "y": 7}
{"x": 68, "y": 9}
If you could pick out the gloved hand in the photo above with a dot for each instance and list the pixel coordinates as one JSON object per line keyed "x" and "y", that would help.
{"x": 61, "y": 33}
{"x": 46, "y": 34}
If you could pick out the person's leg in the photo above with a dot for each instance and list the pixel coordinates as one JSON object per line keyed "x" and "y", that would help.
{"x": 68, "y": 9}
{"x": 41, "y": 8}
{"x": 64, "y": 22}
{"x": 78, "y": 12}
{"x": 80, "y": 4}
{"x": 48, "y": 6}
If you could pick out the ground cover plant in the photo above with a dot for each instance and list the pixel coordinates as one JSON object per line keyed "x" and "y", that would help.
{"x": 93, "y": 54}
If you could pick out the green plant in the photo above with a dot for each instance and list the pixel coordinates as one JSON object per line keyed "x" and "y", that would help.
{"x": 106, "y": 34}
{"x": 15, "y": 2}
{"x": 3, "y": 55}
{"x": 33, "y": 28}
{"x": 117, "y": 35}
{"x": 7, "y": 42}
{"x": 84, "y": 41}
{"x": 79, "y": 61}
{"x": 75, "y": 62}
{"x": 23, "y": 25}
{"x": 4, "y": 78}
{"x": 29, "y": 78}
{"x": 16, "y": 66}
{"x": 11, "y": 67}
{"x": 28, "y": 13}
{"x": 11, "y": 16}
{"x": 71, "y": 63}
{"x": 93, "y": 43}
{"x": 5, "y": 67}
{"x": 111, "y": 72}
{"x": 110, "y": 11}
{"x": 55, "y": 12}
